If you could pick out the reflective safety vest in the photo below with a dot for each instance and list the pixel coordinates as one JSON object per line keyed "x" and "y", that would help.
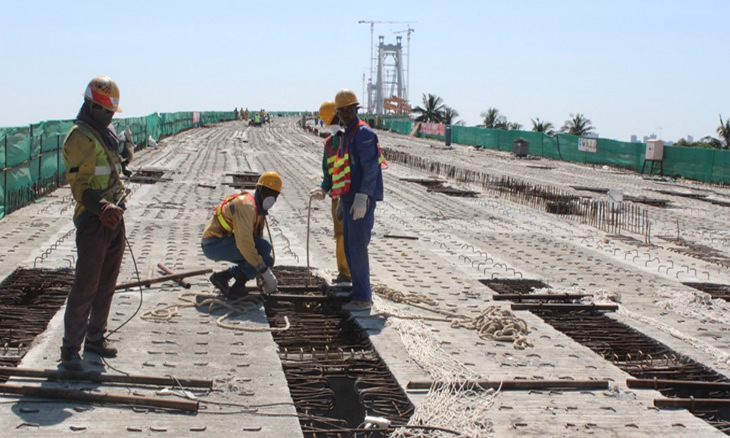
{"x": 341, "y": 174}
{"x": 107, "y": 167}
{"x": 227, "y": 224}
{"x": 331, "y": 144}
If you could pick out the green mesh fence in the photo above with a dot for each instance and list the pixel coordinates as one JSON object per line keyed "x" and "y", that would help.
{"x": 31, "y": 159}
{"x": 708, "y": 165}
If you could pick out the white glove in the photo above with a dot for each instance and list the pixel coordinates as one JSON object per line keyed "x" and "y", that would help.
{"x": 359, "y": 207}
{"x": 317, "y": 194}
{"x": 269, "y": 281}
{"x": 340, "y": 210}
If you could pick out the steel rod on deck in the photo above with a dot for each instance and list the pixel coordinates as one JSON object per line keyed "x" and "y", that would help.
{"x": 692, "y": 403}
{"x": 519, "y": 384}
{"x": 556, "y": 297}
{"x": 179, "y": 281}
{"x": 105, "y": 378}
{"x": 67, "y": 394}
{"x": 150, "y": 281}
{"x": 665, "y": 383}
{"x": 565, "y": 307}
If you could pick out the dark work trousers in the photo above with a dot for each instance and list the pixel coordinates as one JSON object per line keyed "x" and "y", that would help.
{"x": 224, "y": 249}
{"x": 100, "y": 252}
{"x": 357, "y": 238}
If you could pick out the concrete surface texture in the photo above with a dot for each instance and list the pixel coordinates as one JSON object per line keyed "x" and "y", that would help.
{"x": 456, "y": 241}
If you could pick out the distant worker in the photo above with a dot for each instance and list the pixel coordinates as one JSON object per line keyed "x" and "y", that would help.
{"x": 235, "y": 234}
{"x": 357, "y": 181}
{"x": 328, "y": 115}
{"x": 257, "y": 119}
{"x": 245, "y": 114}
{"x": 93, "y": 165}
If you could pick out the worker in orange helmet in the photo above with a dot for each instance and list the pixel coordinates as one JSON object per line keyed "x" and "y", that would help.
{"x": 235, "y": 234}
{"x": 328, "y": 115}
{"x": 357, "y": 181}
{"x": 93, "y": 166}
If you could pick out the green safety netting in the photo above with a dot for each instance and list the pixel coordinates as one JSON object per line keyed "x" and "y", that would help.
{"x": 31, "y": 159}
{"x": 708, "y": 165}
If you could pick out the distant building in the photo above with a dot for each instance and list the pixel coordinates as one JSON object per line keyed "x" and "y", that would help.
{"x": 634, "y": 139}
{"x": 690, "y": 139}
{"x": 650, "y": 137}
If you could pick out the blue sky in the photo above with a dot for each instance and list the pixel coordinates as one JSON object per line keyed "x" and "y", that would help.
{"x": 631, "y": 67}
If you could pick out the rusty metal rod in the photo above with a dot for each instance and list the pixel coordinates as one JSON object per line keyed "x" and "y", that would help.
{"x": 556, "y": 297}
{"x": 179, "y": 281}
{"x": 68, "y": 394}
{"x": 520, "y": 384}
{"x": 564, "y": 307}
{"x": 692, "y": 403}
{"x": 104, "y": 378}
{"x": 665, "y": 383}
{"x": 150, "y": 281}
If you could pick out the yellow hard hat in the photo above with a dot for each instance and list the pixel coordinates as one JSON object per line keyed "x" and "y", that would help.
{"x": 104, "y": 91}
{"x": 271, "y": 180}
{"x": 327, "y": 112}
{"x": 345, "y": 98}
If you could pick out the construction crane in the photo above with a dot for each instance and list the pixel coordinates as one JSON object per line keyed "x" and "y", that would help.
{"x": 372, "y": 46}
{"x": 408, "y": 60}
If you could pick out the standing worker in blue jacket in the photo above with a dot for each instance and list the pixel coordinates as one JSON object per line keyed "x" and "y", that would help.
{"x": 93, "y": 165}
{"x": 328, "y": 115}
{"x": 357, "y": 181}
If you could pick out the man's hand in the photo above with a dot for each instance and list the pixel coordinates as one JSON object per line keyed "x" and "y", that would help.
{"x": 317, "y": 194}
{"x": 111, "y": 215}
{"x": 269, "y": 281}
{"x": 340, "y": 210}
{"x": 359, "y": 207}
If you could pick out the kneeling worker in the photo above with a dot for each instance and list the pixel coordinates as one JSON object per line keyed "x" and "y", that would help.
{"x": 235, "y": 234}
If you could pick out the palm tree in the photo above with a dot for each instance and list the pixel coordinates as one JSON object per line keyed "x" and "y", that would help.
{"x": 542, "y": 126}
{"x": 514, "y": 126}
{"x": 494, "y": 120}
{"x": 449, "y": 115}
{"x": 577, "y": 125}
{"x": 432, "y": 110}
{"x": 724, "y": 131}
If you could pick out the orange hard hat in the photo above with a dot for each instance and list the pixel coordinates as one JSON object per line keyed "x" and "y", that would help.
{"x": 104, "y": 91}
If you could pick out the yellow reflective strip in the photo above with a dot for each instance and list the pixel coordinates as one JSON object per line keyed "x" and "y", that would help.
{"x": 222, "y": 220}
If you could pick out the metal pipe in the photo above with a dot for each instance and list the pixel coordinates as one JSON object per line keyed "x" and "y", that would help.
{"x": 150, "y": 281}
{"x": 105, "y": 378}
{"x": 179, "y": 281}
{"x": 67, "y": 394}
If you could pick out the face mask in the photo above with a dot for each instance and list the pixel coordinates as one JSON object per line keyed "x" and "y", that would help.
{"x": 268, "y": 203}
{"x": 334, "y": 128}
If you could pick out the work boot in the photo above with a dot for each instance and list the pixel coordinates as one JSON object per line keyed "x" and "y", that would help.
{"x": 100, "y": 347}
{"x": 70, "y": 360}
{"x": 342, "y": 278}
{"x": 238, "y": 290}
{"x": 220, "y": 280}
